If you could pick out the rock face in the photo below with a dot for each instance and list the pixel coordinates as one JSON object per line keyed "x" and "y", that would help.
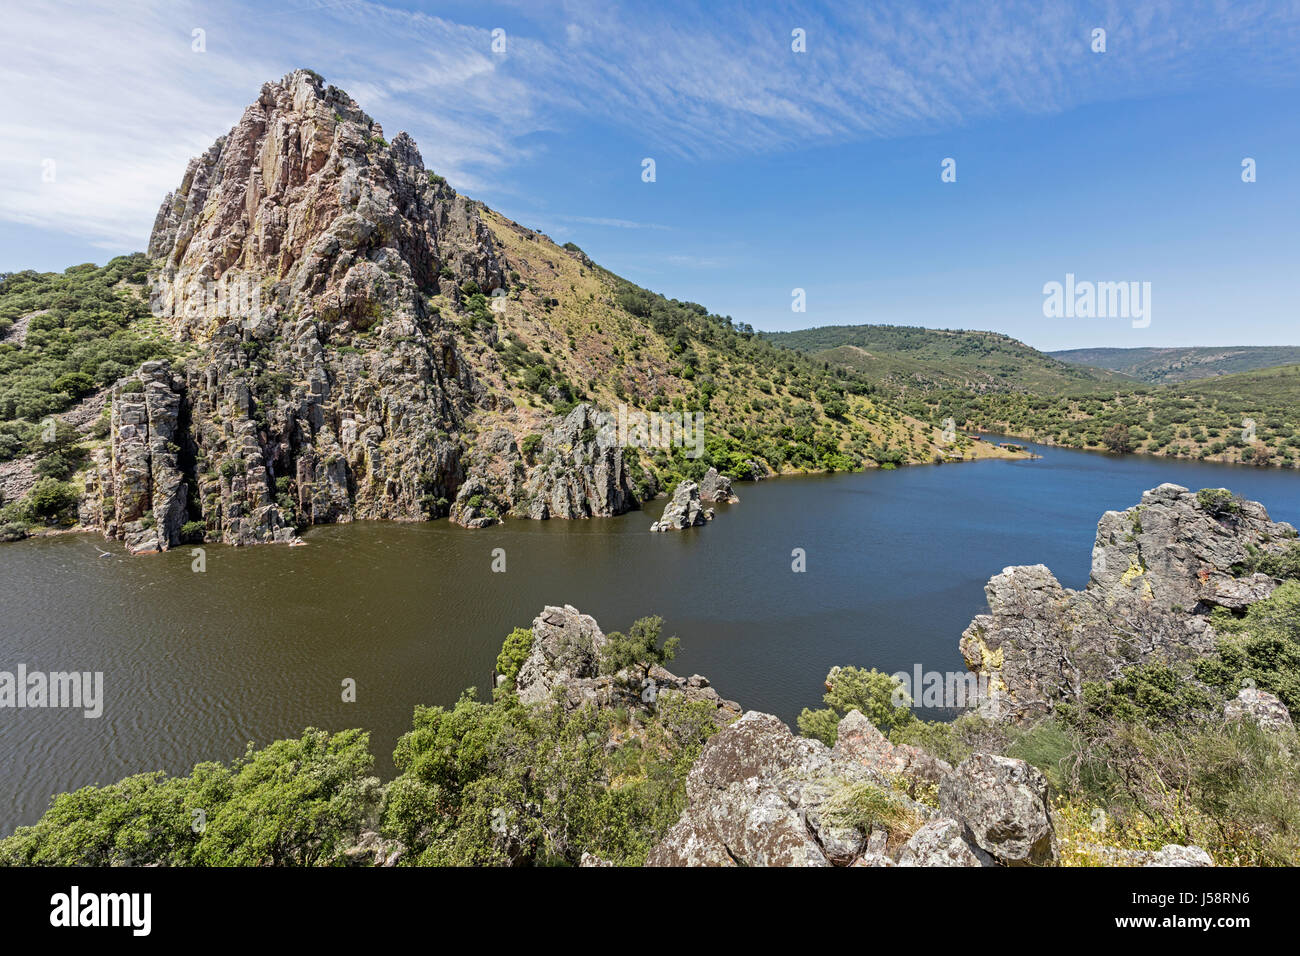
{"x": 716, "y": 487}
{"x": 581, "y": 472}
{"x": 139, "y": 486}
{"x": 684, "y": 510}
{"x": 1261, "y": 707}
{"x": 300, "y": 258}
{"x": 940, "y": 843}
{"x": 1157, "y": 570}
{"x": 1180, "y": 553}
{"x": 760, "y": 796}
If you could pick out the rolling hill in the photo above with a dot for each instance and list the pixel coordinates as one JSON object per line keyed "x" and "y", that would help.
{"x": 910, "y": 358}
{"x": 1163, "y": 366}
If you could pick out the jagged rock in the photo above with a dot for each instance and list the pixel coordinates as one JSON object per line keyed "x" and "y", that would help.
{"x": 565, "y": 658}
{"x": 1260, "y": 706}
{"x": 940, "y": 843}
{"x": 684, "y": 510}
{"x": 716, "y": 487}
{"x": 293, "y": 235}
{"x": 581, "y": 472}
{"x": 1040, "y": 642}
{"x": 1157, "y": 569}
{"x": 1173, "y": 551}
{"x": 1001, "y": 804}
{"x": 736, "y": 815}
{"x": 859, "y": 742}
{"x": 590, "y": 859}
{"x": 755, "y": 470}
{"x": 139, "y": 492}
{"x": 566, "y": 648}
{"x": 759, "y": 796}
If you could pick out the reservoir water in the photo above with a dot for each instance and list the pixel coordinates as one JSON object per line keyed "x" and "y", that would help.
{"x": 255, "y": 648}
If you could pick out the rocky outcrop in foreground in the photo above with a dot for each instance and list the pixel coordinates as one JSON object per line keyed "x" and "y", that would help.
{"x": 1158, "y": 569}
{"x": 760, "y": 796}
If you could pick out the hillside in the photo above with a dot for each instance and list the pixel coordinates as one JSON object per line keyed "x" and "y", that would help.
{"x": 904, "y": 357}
{"x": 330, "y": 332}
{"x": 1248, "y": 418}
{"x": 1165, "y": 366}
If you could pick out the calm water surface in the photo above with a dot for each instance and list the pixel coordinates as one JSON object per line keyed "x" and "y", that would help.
{"x": 197, "y": 665}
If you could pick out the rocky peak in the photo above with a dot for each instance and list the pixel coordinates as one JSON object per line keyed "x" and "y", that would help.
{"x": 308, "y": 263}
{"x": 305, "y": 206}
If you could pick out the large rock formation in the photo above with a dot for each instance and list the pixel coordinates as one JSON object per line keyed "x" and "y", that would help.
{"x": 760, "y": 796}
{"x": 299, "y": 260}
{"x": 717, "y": 487}
{"x": 1157, "y": 570}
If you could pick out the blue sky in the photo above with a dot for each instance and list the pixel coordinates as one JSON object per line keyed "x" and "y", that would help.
{"x": 775, "y": 170}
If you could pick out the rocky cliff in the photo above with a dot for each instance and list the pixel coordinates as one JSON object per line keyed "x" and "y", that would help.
{"x": 299, "y": 260}
{"x": 1158, "y": 569}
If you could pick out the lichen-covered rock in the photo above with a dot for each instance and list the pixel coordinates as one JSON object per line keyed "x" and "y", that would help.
{"x": 1157, "y": 570}
{"x": 717, "y": 487}
{"x": 1040, "y": 642}
{"x": 1178, "y": 552}
{"x": 684, "y": 510}
{"x": 859, "y": 742}
{"x": 736, "y": 815}
{"x": 566, "y": 648}
{"x": 940, "y": 843}
{"x": 564, "y": 661}
{"x": 760, "y": 796}
{"x": 1171, "y": 854}
{"x": 1001, "y": 804}
{"x": 1263, "y": 708}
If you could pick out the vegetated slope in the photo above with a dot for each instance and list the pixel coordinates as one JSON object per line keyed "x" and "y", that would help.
{"x": 912, "y": 358}
{"x": 347, "y": 337}
{"x": 1163, "y": 366}
{"x": 1248, "y": 418}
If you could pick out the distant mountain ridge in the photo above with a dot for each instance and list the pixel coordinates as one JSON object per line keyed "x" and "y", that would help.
{"x": 911, "y": 357}
{"x": 1160, "y": 366}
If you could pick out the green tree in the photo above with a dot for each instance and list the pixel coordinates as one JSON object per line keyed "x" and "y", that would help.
{"x": 870, "y": 692}
{"x": 638, "y": 649}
